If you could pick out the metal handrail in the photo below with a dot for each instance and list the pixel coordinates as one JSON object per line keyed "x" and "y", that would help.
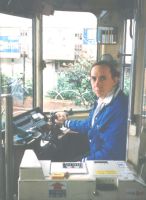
{"x": 8, "y": 149}
{"x": 2, "y": 160}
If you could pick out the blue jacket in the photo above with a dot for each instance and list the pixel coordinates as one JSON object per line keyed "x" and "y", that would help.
{"x": 108, "y": 135}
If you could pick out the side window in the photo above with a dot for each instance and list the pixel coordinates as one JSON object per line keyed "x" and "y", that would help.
{"x": 127, "y": 58}
{"x": 16, "y": 61}
{"x": 69, "y": 42}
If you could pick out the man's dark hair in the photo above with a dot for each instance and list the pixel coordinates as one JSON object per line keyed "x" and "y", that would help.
{"x": 112, "y": 66}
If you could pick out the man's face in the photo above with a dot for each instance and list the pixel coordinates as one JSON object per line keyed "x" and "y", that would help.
{"x": 102, "y": 81}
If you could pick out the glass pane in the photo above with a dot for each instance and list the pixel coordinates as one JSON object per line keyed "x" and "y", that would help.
{"x": 127, "y": 78}
{"x": 16, "y": 60}
{"x": 128, "y": 44}
{"x": 127, "y": 66}
{"x": 70, "y": 48}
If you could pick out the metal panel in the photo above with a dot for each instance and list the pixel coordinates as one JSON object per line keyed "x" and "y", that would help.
{"x": 28, "y": 8}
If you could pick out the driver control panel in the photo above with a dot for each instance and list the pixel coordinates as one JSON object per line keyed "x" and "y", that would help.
{"x": 29, "y": 125}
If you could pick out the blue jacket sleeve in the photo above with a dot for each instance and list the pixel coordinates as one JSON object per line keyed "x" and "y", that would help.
{"x": 81, "y": 126}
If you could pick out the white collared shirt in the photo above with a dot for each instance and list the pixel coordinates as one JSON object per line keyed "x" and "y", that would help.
{"x": 104, "y": 102}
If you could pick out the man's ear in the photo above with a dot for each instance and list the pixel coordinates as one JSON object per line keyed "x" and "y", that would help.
{"x": 116, "y": 79}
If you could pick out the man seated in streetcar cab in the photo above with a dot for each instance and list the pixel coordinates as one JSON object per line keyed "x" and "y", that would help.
{"x": 106, "y": 125}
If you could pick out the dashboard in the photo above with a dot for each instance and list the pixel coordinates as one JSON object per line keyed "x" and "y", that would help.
{"x": 29, "y": 125}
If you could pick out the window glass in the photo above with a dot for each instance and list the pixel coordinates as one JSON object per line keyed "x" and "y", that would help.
{"x": 69, "y": 49}
{"x": 128, "y": 42}
{"x": 16, "y": 60}
{"x": 128, "y": 55}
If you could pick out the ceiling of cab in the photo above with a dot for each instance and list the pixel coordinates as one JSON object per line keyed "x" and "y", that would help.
{"x": 28, "y": 8}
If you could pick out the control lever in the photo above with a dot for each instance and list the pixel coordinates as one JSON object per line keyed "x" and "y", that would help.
{"x": 69, "y": 112}
{"x": 54, "y": 130}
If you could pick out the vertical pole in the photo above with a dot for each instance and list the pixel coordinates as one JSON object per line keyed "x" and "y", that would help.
{"x": 2, "y": 160}
{"x": 9, "y": 155}
{"x": 37, "y": 61}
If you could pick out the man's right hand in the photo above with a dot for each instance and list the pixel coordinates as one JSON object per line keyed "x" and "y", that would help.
{"x": 61, "y": 117}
